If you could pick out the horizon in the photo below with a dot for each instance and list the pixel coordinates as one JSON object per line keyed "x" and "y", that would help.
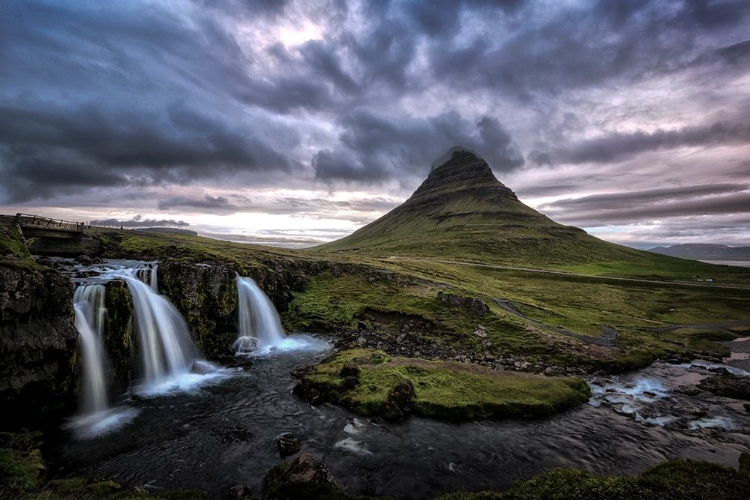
{"x": 296, "y": 123}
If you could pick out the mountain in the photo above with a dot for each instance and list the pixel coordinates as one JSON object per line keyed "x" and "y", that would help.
{"x": 701, "y": 251}
{"x": 461, "y": 211}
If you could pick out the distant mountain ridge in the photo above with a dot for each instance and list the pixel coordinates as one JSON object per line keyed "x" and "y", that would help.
{"x": 704, "y": 251}
{"x": 462, "y": 212}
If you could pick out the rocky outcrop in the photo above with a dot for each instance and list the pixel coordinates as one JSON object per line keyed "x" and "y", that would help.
{"x": 306, "y": 477}
{"x": 206, "y": 295}
{"x": 119, "y": 334}
{"x": 477, "y": 305}
{"x": 37, "y": 342}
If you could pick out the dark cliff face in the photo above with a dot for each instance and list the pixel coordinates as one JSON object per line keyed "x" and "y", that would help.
{"x": 37, "y": 343}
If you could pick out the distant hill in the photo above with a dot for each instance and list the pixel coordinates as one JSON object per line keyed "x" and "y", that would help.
{"x": 167, "y": 230}
{"x": 702, "y": 251}
{"x": 462, "y": 212}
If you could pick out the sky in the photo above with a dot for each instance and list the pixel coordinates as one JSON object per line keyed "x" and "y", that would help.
{"x": 292, "y": 123}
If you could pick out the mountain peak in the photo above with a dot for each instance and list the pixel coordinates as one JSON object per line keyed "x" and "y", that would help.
{"x": 461, "y": 170}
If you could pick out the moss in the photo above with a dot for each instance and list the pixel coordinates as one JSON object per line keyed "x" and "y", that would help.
{"x": 21, "y": 464}
{"x": 672, "y": 480}
{"x": 12, "y": 243}
{"x": 442, "y": 390}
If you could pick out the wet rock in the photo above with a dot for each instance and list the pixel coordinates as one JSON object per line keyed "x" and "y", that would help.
{"x": 745, "y": 464}
{"x": 306, "y": 477}
{"x": 239, "y": 492}
{"x": 688, "y": 390}
{"x": 37, "y": 343}
{"x": 288, "y": 444}
{"x": 726, "y": 384}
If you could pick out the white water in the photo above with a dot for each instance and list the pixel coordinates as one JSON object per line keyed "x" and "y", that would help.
{"x": 166, "y": 350}
{"x": 95, "y": 417}
{"x": 260, "y": 326}
{"x": 147, "y": 274}
{"x": 88, "y": 302}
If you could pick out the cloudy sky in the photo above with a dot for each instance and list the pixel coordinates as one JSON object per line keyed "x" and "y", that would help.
{"x": 294, "y": 122}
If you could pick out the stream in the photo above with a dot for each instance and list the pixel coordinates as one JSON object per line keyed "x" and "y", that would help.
{"x": 224, "y": 432}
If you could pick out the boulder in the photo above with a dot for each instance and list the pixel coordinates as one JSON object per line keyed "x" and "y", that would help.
{"x": 288, "y": 444}
{"x": 306, "y": 477}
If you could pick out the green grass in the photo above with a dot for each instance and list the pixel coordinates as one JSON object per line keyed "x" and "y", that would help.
{"x": 338, "y": 289}
{"x": 444, "y": 390}
{"x": 671, "y": 480}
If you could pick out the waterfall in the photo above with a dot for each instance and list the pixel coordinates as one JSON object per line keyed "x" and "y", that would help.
{"x": 90, "y": 314}
{"x": 147, "y": 274}
{"x": 164, "y": 342}
{"x": 260, "y": 327}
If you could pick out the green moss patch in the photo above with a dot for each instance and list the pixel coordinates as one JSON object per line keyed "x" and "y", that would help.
{"x": 369, "y": 382}
{"x": 672, "y": 480}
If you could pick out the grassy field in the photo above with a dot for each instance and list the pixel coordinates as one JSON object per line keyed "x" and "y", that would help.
{"x": 581, "y": 303}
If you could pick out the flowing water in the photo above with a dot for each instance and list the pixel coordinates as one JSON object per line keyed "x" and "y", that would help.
{"x": 88, "y": 303}
{"x": 197, "y": 425}
{"x": 169, "y": 361}
{"x": 259, "y": 323}
{"x": 225, "y": 433}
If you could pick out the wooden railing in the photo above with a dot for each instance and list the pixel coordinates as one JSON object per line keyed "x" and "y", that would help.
{"x": 47, "y": 223}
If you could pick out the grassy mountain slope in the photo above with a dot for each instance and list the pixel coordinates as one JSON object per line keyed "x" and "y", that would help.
{"x": 462, "y": 212}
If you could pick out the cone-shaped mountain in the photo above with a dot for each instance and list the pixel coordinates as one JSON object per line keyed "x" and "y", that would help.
{"x": 461, "y": 211}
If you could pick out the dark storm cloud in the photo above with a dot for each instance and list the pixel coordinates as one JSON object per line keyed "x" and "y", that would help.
{"x": 638, "y": 198}
{"x": 731, "y": 204}
{"x": 207, "y": 202}
{"x": 615, "y": 146}
{"x": 377, "y": 147}
{"x": 584, "y": 46}
{"x": 105, "y": 102}
{"x": 138, "y": 221}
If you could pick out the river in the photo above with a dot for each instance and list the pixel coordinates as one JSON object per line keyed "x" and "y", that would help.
{"x": 224, "y": 432}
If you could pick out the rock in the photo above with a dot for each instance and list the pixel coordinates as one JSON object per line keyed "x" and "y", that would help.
{"x": 747, "y": 407}
{"x": 38, "y": 343}
{"x": 349, "y": 370}
{"x": 688, "y": 390}
{"x": 480, "y": 333}
{"x": 306, "y": 477}
{"x": 726, "y": 384}
{"x": 239, "y": 492}
{"x": 288, "y": 444}
{"x": 745, "y": 464}
{"x": 475, "y": 304}
{"x": 349, "y": 383}
{"x": 400, "y": 400}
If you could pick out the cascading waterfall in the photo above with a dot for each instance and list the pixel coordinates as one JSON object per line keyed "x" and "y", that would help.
{"x": 164, "y": 342}
{"x": 260, "y": 327}
{"x": 90, "y": 314}
{"x": 147, "y": 274}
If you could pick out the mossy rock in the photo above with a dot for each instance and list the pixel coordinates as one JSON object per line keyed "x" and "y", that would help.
{"x": 394, "y": 387}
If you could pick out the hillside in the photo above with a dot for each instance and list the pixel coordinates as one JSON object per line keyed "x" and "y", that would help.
{"x": 704, "y": 251}
{"x": 462, "y": 212}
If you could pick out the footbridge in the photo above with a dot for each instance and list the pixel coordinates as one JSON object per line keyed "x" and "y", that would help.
{"x": 47, "y": 236}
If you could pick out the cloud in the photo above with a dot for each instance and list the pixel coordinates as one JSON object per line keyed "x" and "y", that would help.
{"x": 614, "y": 146}
{"x": 738, "y": 203}
{"x": 138, "y": 221}
{"x": 376, "y": 147}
